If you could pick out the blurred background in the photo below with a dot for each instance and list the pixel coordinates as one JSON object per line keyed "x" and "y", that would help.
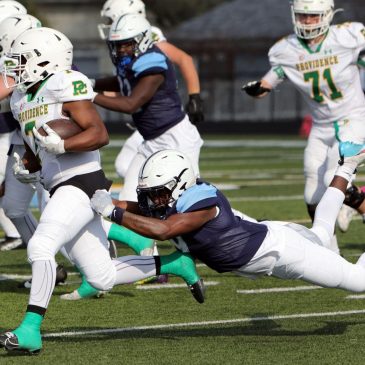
{"x": 229, "y": 41}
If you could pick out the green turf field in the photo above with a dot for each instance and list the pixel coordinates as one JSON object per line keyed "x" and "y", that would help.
{"x": 237, "y": 324}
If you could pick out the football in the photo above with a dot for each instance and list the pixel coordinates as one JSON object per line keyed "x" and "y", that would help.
{"x": 65, "y": 128}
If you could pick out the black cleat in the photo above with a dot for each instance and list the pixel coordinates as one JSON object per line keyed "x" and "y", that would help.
{"x": 61, "y": 274}
{"x": 9, "y": 341}
{"x": 198, "y": 290}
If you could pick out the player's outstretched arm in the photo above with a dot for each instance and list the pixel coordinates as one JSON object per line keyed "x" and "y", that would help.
{"x": 174, "y": 225}
{"x": 141, "y": 94}
{"x": 185, "y": 64}
{"x": 184, "y": 61}
{"x": 106, "y": 84}
{"x": 257, "y": 89}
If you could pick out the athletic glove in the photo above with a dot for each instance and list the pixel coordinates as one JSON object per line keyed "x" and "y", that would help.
{"x": 102, "y": 203}
{"x": 22, "y": 174}
{"x": 254, "y": 88}
{"x": 52, "y": 143}
{"x": 194, "y": 108}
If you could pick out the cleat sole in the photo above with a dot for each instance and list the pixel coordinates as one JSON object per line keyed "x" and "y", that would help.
{"x": 198, "y": 291}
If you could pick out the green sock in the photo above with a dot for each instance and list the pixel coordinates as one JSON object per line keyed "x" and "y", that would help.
{"x": 29, "y": 332}
{"x": 85, "y": 289}
{"x": 180, "y": 264}
{"x": 125, "y": 236}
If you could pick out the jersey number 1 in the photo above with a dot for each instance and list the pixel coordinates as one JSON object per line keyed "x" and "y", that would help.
{"x": 314, "y": 77}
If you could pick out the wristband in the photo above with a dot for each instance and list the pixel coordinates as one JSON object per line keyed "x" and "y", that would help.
{"x": 94, "y": 95}
{"x": 117, "y": 215}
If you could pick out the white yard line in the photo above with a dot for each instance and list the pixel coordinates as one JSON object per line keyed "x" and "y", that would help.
{"x": 278, "y": 290}
{"x": 236, "y": 143}
{"x": 359, "y": 296}
{"x": 171, "y": 286}
{"x": 203, "y": 323}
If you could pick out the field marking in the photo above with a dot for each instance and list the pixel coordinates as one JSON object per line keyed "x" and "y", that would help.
{"x": 203, "y": 323}
{"x": 266, "y": 198}
{"x": 4, "y": 277}
{"x": 171, "y": 286}
{"x": 279, "y": 290}
{"x": 235, "y": 143}
{"x": 360, "y": 296}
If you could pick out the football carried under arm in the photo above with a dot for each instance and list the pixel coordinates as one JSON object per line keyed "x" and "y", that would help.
{"x": 66, "y": 135}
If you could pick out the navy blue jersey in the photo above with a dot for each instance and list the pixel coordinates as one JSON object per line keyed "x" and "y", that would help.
{"x": 226, "y": 242}
{"x": 164, "y": 110}
{"x": 8, "y": 123}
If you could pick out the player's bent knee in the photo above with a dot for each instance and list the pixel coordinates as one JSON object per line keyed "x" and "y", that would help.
{"x": 104, "y": 280}
{"x": 38, "y": 250}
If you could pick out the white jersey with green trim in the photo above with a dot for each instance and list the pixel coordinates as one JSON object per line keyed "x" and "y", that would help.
{"x": 327, "y": 76}
{"x": 46, "y": 105}
{"x": 157, "y": 35}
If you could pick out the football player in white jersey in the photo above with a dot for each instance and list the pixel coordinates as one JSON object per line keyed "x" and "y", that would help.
{"x": 7, "y": 127}
{"x": 47, "y": 89}
{"x": 321, "y": 61}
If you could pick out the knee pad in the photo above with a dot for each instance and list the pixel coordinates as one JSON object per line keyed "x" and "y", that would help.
{"x": 47, "y": 241}
{"x": 354, "y": 197}
{"x": 104, "y": 280}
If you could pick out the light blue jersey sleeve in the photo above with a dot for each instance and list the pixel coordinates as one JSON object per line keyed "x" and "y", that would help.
{"x": 197, "y": 197}
{"x": 150, "y": 63}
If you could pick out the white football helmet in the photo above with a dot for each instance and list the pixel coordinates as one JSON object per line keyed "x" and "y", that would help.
{"x": 130, "y": 27}
{"x": 323, "y": 8}
{"x": 12, "y": 27}
{"x": 36, "y": 54}
{"x": 113, "y": 9}
{"x": 11, "y": 7}
{"x": 162, "y": 179}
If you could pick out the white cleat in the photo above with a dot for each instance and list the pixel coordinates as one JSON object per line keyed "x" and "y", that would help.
{"x": 76, "y": 296}
{"x": 11, "y": 244}
{"x": 344, "y": 217}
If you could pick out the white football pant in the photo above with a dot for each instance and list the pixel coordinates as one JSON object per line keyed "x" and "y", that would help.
{"x": 183, "y": 137}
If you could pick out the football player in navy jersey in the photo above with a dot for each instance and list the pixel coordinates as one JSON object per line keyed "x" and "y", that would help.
{"x": 198, "y": 218}
{"x": 147, "y": 84}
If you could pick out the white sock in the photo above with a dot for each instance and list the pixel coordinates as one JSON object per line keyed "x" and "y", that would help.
{"x": 334, "y": 245}
{"x": 43, "y": 282}
{"x": 326, "y": 214}
{"x": 133, "y": 268}
{"x": 346, "y": 170}
{"x": 8, "y": 226}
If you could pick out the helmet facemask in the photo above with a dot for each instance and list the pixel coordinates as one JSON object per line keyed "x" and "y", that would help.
{"x": 155, "y": 201}
{"x": 130, "y": 29}
{"x": 323, "y": 9}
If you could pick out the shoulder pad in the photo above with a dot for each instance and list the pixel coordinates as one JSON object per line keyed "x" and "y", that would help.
{"x": 70, "y": 86}
{"x": 150, "y": 62}
{"x": 157, "y": 35}
{"x": 199, "y": 196}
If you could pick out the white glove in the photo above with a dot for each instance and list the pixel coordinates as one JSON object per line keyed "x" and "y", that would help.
{"x": 52, "y": 143}
{"x": 21, "y": 173}
{"x": 102, "y": 203}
